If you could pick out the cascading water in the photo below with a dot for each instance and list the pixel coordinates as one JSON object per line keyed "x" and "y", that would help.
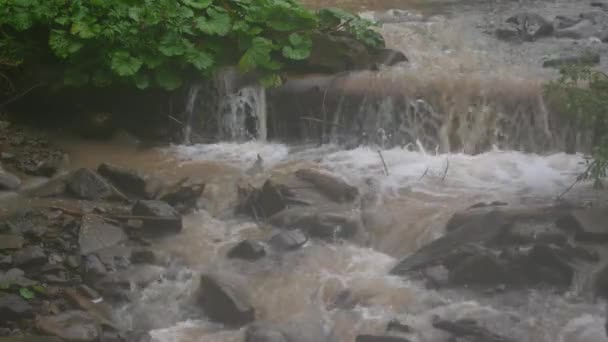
{"x": 193, "y": 93}
{"x": 242, "y": 115}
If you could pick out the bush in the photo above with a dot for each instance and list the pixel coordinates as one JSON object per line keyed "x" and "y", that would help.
{"x": 584, "y": 94}
{"x": 165, "y": 42}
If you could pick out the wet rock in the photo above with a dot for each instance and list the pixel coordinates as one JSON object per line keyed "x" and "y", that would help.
{"x": 319, "y": 224}
{"x": 10, "y": 242}
{"x": 582, "y": 59}
{"x": 70, "y": 325}
{"x": 583, "y": 29}
{"x": 377, "y": 338}
{"x": 265, "y": 202}
{"x": 126, "y": 180}
{"x": 115, "y": 258}
{"x": 388, "y": 57}
{"x": 73, "y": 261}
{"x": 144, "y": 256}
{"x": 562, "y": 22}
{"x": 17, "y": 277}
{"x": 336, "y": 53}
{"x": 260, "y": 332}
{"x": 183, "y": 195}
{"x": 95, "y": 234}
{"x": 53, "y": 188}
{"x": 485, "y": 268}
{"x": 588, "y": 225}
{"x": 288, "y": 240}
{"x": 484, "y": 229}
{"x": 396, "y": 326}
{"x": 8, "y": 181}
{"x": 163, "y": 218}
{"x": 248, "y": 250}
{"x": 553, "y": 259}
{"x": 468, "y": 328}
{"x": 93, "y": 268}
{"x": 436, "y": 276}
{"x": 30, "y": 338}
{"x": 29, "y": 257}
{"x": 332, "y": 186}
{"x": 531, "y": 26}
{"x": 141, "y": 276}
{"x": 87, "y": 184}
{"x": 508, "y": 33}
{"x": 223, "y": 299}
{"x": 96, "y": 308}
{"x": 13, "y": 307}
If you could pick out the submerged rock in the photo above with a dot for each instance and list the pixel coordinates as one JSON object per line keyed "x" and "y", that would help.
{"x": 87, "y": 184}
{"x": 13, "y": 307}
{"x": 161, "y": 217}
{"x": 96, "y": 233}
{"x": 224, "y": 300}
{"x": 288, "y": 240}
{"x": 127, "y": 180}
{"x": 248, "y": 250}
{"x": 70, "y": 325}
{"x": 332, "y": 186}
{"x": 319, "y": 223}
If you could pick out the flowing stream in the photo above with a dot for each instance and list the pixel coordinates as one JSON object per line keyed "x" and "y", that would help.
{"x": 461, "y": 74}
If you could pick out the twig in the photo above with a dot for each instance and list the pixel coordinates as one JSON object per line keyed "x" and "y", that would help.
{"x": 424, "y": 174}
{"x": 447, "y": 167}
{"x": 386, "y": 173}
{"x": 22, "y": 94}
{"x": 578, "y": 179}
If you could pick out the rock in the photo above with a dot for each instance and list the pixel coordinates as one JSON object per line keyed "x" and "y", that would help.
{"x": 377, "y": 338}
{"x": 388, "y": 57}
{"x": 486, "y": 228}
{"x": 15, "y": 276}
{"x": 223, "y": 299}
{"x": 601, "y": 4}
{"x": 531, "y": 26}
{"x": 584, "y": 59}
{"x": 319, "y": 224}
{"x": 87, "y": 184}
{"x": 10, "y": 242}
{"x": 481, "y": 269}
{"x": 583, "y": 29}
{"x": 329, "y": 184}
{"x": 70, "y": 325}
{"x": 260, "y": 332}
{"x": 332, "y": 53}
{"x": 562, "y": 22}
{"x": 436, "y": 276}
{"x": 288, "y": 240}
{"x": 163, "y": 217}
{"x": 29, "y": 257}
{"x": 183, "y": 196}
{"x": 248, "y": 250}
{"x": 588, "y": 225}
{"x": 508, "y": 33}
{"x": 468, "y": 328}
{"x": 73, "y": 261}
{"x": 95, "y": 234}
{"x": 13, "y": 307}
{"x": 96, "y": 308}
{"x": 93, "y": 268}
{"x": 396, "y": 326}
{"x": 265, "y": 202}
{"x": 553, "y": 259}
{"x": 8, "y": 181}
{"x": 127, "y": 181}
{"x": 53, "y": 188}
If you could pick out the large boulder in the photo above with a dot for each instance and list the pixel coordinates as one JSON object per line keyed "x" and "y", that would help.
{"x": 158, "y": 217}
{"x": 95, "y": 234}
{"x": 13, "y": 307}
{"x": 126, "y": 180}
{"x": 183, "y": 195}
{"x": 329, "y": 184}
{"x": 70, "y": 325}
{"x": 87, "y": 184}
{"x": 324, "y": 224}
{"x": 224, "y": 300}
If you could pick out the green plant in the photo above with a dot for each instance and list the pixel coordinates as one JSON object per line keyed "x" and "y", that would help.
{"x": 164, "y": 42}
{"x": 26, "y": 293}
{"x": 583, "y": 92}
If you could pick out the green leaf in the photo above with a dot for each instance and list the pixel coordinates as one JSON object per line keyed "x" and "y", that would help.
{"x": 152, "y": 61}
{"x": 26, "y": 294}
{"x": 82, "y": 30}
{"x": 198, "y": 4}
{"x": 258, "y": 55}
{"x": 271, "y": 80}
{"x": 135, "y": 13}
{"x": 168, "y": 78}
{"x": 39, "y": 289}
{"x": 62, "y": 45}
{"x": 217, "y": 23}
{"x": 300, "y": 48}
{"x": 142, "y": 80}
{"x": 172, "y": 45}
{"x": 200, "y": 59}
{"x": 124, "y": 64}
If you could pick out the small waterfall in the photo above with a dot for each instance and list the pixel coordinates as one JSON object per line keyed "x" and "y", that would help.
{"x": 193, "y": 93}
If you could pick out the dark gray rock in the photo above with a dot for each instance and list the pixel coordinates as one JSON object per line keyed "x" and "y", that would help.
{"x": 396, "y": 326}
{"x": 163, "y": 218}
{"x": 93, "y": 268}
{"x": 531, "y": 26}
{"x": 508, "y": 33}
{"x": 15, "y": 276}
{"x": 87, "y": 184}
{"x": 183, "y": 196}
{"x": 388, "y": 57}
{"x": 224, "y": 300}
{"x": 260, "y": 332}
{"x": 29, "y": 257}
{"x": 487, "y": 228}
{"x": 10, "y": 242}
{"x": 9, "y": 181}
{"x": 469, "y": 328}
{"x": 128, "y": 181}
{"x": 582, "y": 59}
{"x": 588, "y": 225}
{"x": 264, "y": 202}
{"x": 318, "y": 223}
{"x": 71, "y": 326}
{"x": 332, "y": 186}
{"x": 248, "y": 250}
{"x": 288, "y": 240}
{"x": 582, "y": 30}
{"x": 95, "y": 234}
{"x": 13, "y": 307}
{"x": 336, "y": 53}
{"x": 562, "y": 22}
{"x": 378, "y": 338}
{"x": 481, "y": 269}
